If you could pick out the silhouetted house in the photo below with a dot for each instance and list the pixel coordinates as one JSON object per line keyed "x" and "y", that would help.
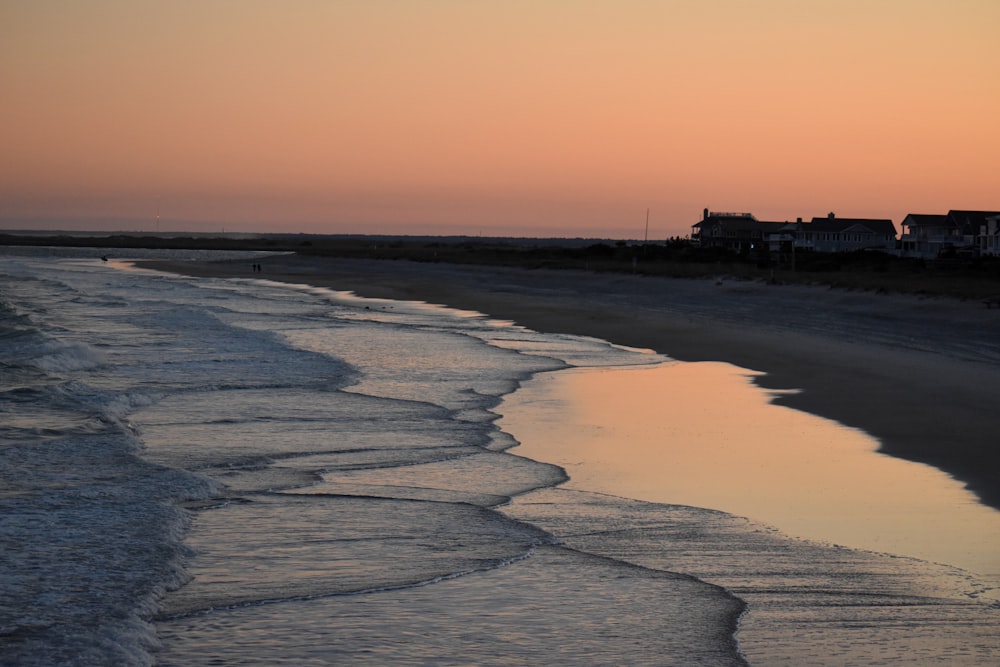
{"x": 971, "y": 225}
{"x": 924, "y": 234}
{"x": 833, "y": 234}
{"x": 743, "y": 232}
{"x": 989, "y": 237}
{"x": 957, "y": 232}
{"x": 785, "y": 237}
{"x": 740, "y": 232}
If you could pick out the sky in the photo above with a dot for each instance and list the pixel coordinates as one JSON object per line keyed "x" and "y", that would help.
{"x": 481, "y": 117}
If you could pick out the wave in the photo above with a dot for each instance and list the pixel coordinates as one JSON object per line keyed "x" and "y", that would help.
{"x": 61, "y": 357}
{"x": 23, "y": 344}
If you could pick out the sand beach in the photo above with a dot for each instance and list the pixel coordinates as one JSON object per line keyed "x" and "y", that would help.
{"x": 920, "y": 374}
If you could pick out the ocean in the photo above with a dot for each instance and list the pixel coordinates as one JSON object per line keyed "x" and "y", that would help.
{"x": 200, "y": 471}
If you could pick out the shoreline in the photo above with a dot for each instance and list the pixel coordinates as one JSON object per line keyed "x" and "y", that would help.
{"x": 918, "y": 374}
{"x": 808, "y": 477}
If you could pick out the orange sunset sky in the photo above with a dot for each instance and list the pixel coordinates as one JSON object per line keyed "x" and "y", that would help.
{"x": 506, "y": 117}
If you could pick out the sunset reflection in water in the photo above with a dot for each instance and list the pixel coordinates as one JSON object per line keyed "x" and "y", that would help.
{"x": 703, "y": 434}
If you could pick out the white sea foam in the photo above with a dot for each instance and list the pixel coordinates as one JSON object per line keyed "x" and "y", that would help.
{"x": 57, "y": 357}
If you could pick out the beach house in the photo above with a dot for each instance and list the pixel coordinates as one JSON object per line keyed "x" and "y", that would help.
{"x": 742, "y": 232}
{"x": 957, "y": 232}
{"x": 833, "y": 234}
{"x": 989, "y": 237}
{"x": 739, "y": 232}
{"x": 924, "y": 234}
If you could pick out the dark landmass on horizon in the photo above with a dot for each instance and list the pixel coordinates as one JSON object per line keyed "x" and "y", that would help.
{"x": 962, "y": 278}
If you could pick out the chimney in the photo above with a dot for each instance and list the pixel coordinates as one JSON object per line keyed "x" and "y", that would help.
{"x": 798, "y": 220}
{"x": 830, "y": 215}
{"x": 704, "y": 214}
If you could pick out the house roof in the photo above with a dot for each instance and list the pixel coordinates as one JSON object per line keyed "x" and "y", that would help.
{"x": 735, "y": 222}
{"x": 728, "y": 218}
{"x": 968, "y": 222}
{"x": 875, "y": 226}
{"x": 925, "y": 219}
{"x": 745, "y": 222}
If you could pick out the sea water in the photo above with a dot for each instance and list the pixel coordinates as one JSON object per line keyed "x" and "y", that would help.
{"x": 207, "y": 471}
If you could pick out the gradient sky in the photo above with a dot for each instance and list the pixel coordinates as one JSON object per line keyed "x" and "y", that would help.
{"x": 535, "y": 117}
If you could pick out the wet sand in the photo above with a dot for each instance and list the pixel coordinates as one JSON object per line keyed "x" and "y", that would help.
{"x": 921, "y": 375}
{"x": 656, "y": 433}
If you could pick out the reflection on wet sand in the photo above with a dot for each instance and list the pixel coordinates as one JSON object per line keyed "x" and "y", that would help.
{"x": 702, "y": 434}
